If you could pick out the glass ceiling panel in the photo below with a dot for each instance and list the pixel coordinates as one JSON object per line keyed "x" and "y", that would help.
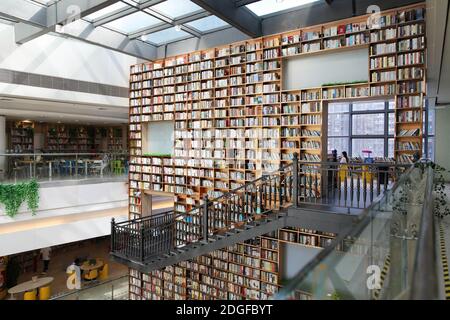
{"x": 164, "y": 36}
{"x": 106, "y": 11}
{"x": 265, "y": 7}
{"x": 133, "y": 22}
{"x": 208, "y": 23}
{"x": 176, "y": 8}
{"x": 45, "y": 2}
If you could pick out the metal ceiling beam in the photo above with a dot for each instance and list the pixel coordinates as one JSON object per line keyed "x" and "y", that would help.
{"x": 180, "y": 21}
{"x": 85, "y": 31}
{"x": 126, "y": 11}
{"x": 239, "y": 17}
{"x": 240, "y": 3}
{"x": 61, "y": 12}
{"x": 24, "y": 11}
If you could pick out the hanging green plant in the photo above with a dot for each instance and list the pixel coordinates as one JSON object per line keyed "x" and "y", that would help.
{"x": 13, "y": 195}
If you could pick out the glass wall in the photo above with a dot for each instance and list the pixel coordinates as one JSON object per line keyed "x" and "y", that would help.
{"x": 358, "y": 126}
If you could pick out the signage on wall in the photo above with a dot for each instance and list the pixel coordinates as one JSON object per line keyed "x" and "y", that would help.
{"x": 74, "y": 279}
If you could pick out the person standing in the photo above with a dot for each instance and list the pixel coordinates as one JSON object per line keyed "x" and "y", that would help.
{"x": 45, "y": 254}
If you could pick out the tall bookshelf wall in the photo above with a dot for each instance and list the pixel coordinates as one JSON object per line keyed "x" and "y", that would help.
{"x": 233, "y": 121}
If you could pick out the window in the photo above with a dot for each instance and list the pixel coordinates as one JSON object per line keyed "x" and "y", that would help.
{"x": 368, "y": 106}
{"x": 354, "y": 127}
{"x": 374, "y": 145}
{"x": 165, "y": 36}
{"x": 338, "y": 126}
{"x": 368, "y": 124}
{"x": 176, "y": 8}
{"x": 207, "y": 24}
{"x": 133, "y": 22}
{"x": 107, "y": 11}
{"x": 265, "y": 7}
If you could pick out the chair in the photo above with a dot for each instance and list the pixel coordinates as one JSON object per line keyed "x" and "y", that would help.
{"x": 104, "y": 272}
{"x": 343, "y": 172}
{"x": 45, "y": 293}
{"x": 29, "y": 295}
{"x": 91, "y": 275}
{"x": 118, "y": 167}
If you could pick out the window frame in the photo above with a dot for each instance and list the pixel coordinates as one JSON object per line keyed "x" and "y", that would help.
{"x": 386, "y": 136}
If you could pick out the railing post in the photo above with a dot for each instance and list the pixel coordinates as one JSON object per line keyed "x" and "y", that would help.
{"x": 295, "y": 178}
{"x": 113, "y": 223}
{"x": 141, "y": 235}
{"x": 205, "y": 218}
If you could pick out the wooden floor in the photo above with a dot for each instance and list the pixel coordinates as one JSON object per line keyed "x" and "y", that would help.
{"x": 93, "y": 248}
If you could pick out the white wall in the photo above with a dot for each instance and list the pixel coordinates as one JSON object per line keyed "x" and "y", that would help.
{"x": 160, "y": 137}
{"x": 442, "y": 145}
{"x": 70, "y": 199}
{"x": 315, "y": 70}
{"x": 64, "y": 57}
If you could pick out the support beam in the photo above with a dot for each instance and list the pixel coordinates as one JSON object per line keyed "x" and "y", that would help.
{"x": 239, "y": 17}
{"x": 85, "y": 31}
{"x": 62, "y": 12}
{"x": 165, "y": 25}
{"x": 240, "y": 3}
{"x": 24, "y": 11}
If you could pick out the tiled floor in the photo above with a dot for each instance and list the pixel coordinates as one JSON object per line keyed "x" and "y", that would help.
{"x": 61, "y": 260}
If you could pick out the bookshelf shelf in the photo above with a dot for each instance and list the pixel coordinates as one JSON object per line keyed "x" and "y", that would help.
{"x": 221, "y": 100}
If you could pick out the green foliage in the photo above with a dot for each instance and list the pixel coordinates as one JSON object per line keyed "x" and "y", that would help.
{"x": 343, "y": 83}
{"x": 13, "y": 195}
{"x": 335, "y": 296}
{"x": 161, "y": 155}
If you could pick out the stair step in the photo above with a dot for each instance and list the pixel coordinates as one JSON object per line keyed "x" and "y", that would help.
{"x": 219, "y": 236}
{"x": 173, "y": 253}
{"x": 203, "y": 242}
{"x": 166, "y": 255}
{"x": 228, "y": 233}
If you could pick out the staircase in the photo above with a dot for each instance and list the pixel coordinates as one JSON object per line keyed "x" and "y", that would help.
{"x": 257, "y": 208}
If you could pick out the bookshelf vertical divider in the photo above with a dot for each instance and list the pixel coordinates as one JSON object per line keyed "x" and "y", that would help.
{"x": 234, "y": 121}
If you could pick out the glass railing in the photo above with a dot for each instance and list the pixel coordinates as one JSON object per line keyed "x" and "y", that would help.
{"x": 384, "y": 255}
{"x": 114, "y": 289}
{"x": 61, "y": 166}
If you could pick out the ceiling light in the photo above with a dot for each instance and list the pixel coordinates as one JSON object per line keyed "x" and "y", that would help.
{"x": 280, "y": 1}
{"x": 178, "y": 27}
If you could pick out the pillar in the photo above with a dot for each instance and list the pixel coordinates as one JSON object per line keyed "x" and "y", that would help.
{"x": 2, "y": 146}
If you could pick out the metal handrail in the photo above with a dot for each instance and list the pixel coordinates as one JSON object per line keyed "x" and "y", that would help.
{"x": 424, "y": 283}
{"x": 361, "y": 222}
{"x": 91, "y": 286}
{"x": 276, "y": 188}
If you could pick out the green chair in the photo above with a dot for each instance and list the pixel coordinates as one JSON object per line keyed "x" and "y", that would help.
{"x": 118, "y": 167}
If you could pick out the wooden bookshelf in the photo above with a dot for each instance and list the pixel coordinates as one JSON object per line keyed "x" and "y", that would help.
{"x": 22, "y": 137}
{"x": 233, "y": 120}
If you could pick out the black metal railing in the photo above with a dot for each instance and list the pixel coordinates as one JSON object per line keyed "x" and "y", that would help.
{"x": 298, "y": 183}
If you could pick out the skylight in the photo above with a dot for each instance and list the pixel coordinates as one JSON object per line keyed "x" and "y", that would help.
{"x": 265, "y": 7}
{"x": 133, "y": 22}
{"x": 207, "y": 24}
{"x": 176, "y": 8}
{"x": 164, "y": 36}
{"x": 106, "y": 11}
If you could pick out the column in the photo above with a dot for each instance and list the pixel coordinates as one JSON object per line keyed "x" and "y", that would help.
{"x": 2, "y": 146}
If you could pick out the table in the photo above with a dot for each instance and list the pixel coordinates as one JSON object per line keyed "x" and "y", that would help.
{"x": 30, "y": 285}
{"x": 87, "y": 267}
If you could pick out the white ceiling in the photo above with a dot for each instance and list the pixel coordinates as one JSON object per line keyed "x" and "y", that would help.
{"x": 51, "y": 111}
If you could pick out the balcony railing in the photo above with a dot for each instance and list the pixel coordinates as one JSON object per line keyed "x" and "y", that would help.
{"x": 389, "y": 254}
{"x": 295, "y": 184}
{"x": 61, "y": 166}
